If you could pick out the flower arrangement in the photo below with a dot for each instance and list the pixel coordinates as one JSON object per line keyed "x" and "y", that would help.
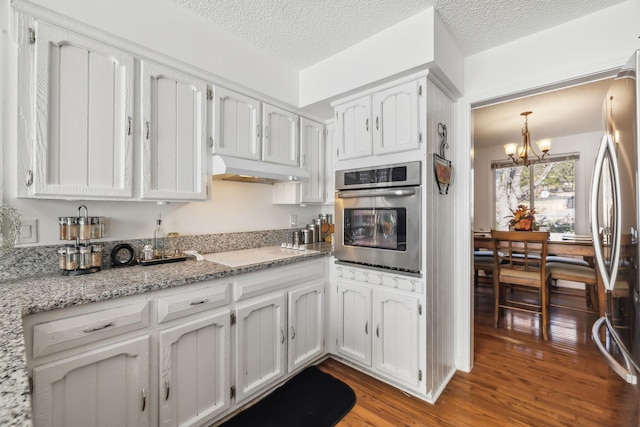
{"x": 523, "y": 219}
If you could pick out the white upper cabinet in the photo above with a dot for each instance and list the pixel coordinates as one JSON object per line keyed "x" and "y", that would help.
{"x": 388, "y": 121}
{"x": 237, "y": 125}
{"x": 354, "y": 129}
{"x": 280, "y": 136}
{"x": 312, "y": 158}
{"x": 75, "y": 115}
{"x": 173, "y": 134}
{"x": 395, "y": 118}
{"x": 330, "y": 157}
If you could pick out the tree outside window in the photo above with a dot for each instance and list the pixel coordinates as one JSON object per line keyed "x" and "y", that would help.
{"x": 551, "y": 192}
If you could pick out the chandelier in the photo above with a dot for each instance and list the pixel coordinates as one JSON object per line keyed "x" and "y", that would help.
{"x": 524, "y": 155}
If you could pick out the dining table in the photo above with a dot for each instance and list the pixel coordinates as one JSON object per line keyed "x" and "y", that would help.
{"x": 560, "y": 245}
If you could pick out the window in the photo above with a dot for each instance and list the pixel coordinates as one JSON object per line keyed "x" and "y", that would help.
{"x": 551, "y": 193}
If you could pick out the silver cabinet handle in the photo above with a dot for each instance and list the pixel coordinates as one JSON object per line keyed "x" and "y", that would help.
{"x": 366, "y": 328}
{"x": 366, "y": 124}
{"x": 167, "y": 389}
{"x": 258, "y": 131}
{"x": 148, "y": 129}
{"x": 129, "y": 125}
{"x": 144, "y": 399}
{"x": 377, "y": 127}
{"x": 99, "y": 328}
{"x": 202, "y": 301}
{"x": 625, "y": 373}
{"x": 293, "y": 332}
{"x": 281, "y": 336}
{"x": 378, "y": 331}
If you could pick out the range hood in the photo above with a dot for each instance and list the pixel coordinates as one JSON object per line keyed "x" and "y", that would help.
{"x": 235, "y": 169}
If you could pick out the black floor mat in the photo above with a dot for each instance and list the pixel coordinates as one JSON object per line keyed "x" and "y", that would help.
{"x": 311, "y": 399}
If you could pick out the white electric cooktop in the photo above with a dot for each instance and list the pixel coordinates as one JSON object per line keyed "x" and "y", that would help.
{"x": 255, "y": 256}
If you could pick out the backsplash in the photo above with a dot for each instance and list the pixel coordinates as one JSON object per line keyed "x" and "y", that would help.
{"x": 23, "y": 262}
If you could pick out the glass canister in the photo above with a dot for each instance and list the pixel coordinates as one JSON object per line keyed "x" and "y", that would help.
{"x": 96, "y": 255}
{"x": 85, "y": 257}
{"x": 72, "y": 258}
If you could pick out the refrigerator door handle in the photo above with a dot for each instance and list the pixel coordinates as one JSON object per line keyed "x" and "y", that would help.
{"x": 608, "y": 274}
{"x": 625, "y": 372}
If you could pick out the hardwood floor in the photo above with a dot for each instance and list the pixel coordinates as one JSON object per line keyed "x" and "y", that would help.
{"x": 517, "y": 380}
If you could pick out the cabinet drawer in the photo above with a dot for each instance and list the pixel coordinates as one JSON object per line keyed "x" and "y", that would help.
{"x": 62, "y": 334}
{"x": 262, "y": 282}
{"x": 193, "y": 301}
{"x": 375, "y": 277}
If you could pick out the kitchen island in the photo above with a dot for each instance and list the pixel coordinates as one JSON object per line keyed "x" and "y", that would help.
{"x": 24, "y": 297}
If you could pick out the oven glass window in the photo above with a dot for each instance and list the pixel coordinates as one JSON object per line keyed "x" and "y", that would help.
{"x": 381, "y": 228}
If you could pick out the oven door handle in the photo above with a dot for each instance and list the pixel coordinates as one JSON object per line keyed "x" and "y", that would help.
{"x": 406, "y": 192}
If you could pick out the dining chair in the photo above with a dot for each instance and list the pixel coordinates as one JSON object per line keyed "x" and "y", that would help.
{"x": 575, "y": 273}
{"x": 518, "y": 262}
{"x": 482, "y": 262}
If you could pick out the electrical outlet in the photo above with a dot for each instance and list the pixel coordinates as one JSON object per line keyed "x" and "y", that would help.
{"x": 28, "y": 231}
{"x": 293, "y": 221}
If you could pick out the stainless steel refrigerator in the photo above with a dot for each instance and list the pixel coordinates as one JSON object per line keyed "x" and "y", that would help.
{"x": 615, "y": 207}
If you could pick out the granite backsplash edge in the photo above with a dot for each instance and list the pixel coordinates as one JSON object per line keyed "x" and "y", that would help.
{"x": 32, "y": 261}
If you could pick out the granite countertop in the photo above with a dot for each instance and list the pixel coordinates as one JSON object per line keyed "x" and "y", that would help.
{"x": 20, "y": 298}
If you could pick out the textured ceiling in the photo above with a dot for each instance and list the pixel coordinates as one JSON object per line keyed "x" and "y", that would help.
{"x": 558, "y": 113}
{"x": 303, "y": 32}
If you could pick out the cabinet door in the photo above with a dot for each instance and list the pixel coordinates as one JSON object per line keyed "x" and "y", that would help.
{"x": 306, "y": 332}
{"x": 329, "y": 170}
{"x": 83, "y": 117}
{"x": 103, "y": 387}
{"x": 312, "y": 157}
{"x": 396, "y": 124}
{"x": 260, "y": 344}
{"x": 280, "y": 136}
{"x": 354, "y": 129}
{"x": 172, "y": 134}
{"x": 396, "y": 319}
{"x": 354, "y": 315}
{"x": 195, "y": 371}
{"x": 237, "y": 125}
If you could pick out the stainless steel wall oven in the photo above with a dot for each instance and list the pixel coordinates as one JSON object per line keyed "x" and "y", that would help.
{"x": 378, "y": 215}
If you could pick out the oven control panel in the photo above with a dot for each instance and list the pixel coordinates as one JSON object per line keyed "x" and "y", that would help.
{"x": 398, "y": 175}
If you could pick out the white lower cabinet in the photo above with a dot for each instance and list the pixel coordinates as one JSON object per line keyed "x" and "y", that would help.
{"x": 395, "y": 318}
{"x": 107, "y": 386}
{"x": 175, "y": 357}
{"x": 378, "y": 323}
{"x": 195, "y": 370}
{"x": 306, "y": 320}
{"x": 260, "y": 343}
{"x": 354, "y": 328}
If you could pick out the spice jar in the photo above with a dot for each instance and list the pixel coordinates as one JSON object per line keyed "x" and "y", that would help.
{"x": 62, "y": 258}
{"x": 62, "y": 227}
{"x": 147, "y": 253}
{"x": 96, "y": 256}
{"x": 72, "y": 228}
{"x": 72, "y": 258}
{"x": 97, "y": 227}
{"x": 84, "y": 228}
{"x": 85, "y": 257}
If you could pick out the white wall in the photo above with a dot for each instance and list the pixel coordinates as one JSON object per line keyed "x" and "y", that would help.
{"x": 417, "y": 43}
{"x": 586, "y": 144}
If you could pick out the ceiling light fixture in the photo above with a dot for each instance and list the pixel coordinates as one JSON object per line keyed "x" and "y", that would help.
{"x": 526, "y": 150}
